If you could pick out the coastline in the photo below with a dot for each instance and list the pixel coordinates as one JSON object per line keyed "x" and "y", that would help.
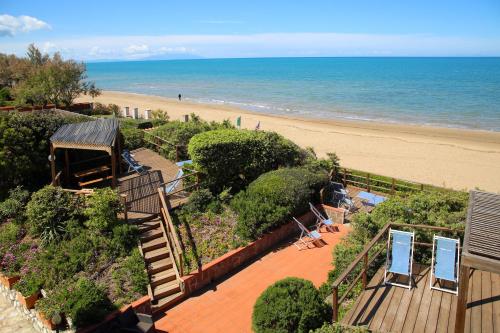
{"x": 441, "y": 156}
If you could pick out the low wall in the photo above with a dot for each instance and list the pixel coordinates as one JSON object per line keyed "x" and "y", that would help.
{"x": 230, "y": 261}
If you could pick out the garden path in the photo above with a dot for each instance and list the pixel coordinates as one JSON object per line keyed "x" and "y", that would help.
{"x": 227, "y": 306}
{"x": 11, "y": 320}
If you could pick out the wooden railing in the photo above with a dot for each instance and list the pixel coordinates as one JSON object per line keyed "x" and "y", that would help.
{"x": 171, "y": 235}
{"x": 375, "y": 182}
{"x": 368, "y": 256}
{"x": 195, "y": 185}
{"x": 158, "y": 143}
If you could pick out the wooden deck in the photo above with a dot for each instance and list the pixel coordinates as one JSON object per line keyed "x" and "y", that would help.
{"x": 394, "y": 309}
{"x": 142, "y": 190}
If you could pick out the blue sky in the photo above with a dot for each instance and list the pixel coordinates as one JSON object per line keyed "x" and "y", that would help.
{"x": 96, "y": 30}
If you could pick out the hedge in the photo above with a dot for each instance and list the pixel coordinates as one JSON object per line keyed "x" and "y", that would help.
{"x": 234, "y": 158}
{"x": 273, "y": 198}
{"x": 289, "y": 305}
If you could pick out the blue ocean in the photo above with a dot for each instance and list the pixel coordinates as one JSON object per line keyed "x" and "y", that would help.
{"x": 450, "y": 92}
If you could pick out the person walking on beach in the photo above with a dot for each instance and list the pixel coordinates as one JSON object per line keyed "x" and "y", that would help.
{"x": 180, "y": 97}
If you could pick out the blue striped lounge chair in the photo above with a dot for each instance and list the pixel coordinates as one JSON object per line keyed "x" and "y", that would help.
{"x": 133, "y": 165}
{"x": 399, "y": 261}
{"x": 321, "y": 220}
{"x": 306, "y": 237}
{"x": 445, "y": 262}
{"x": 173, "y": 184}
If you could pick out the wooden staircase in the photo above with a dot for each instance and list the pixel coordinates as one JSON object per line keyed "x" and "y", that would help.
{"x": 165, "y": 285}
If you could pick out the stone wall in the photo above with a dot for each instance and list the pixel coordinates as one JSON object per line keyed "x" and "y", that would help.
{"x": 28, "y": 315}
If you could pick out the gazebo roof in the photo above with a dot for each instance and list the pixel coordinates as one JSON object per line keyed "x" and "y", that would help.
{"x": 98, "y": 134}
{"x": 482, "y": 232}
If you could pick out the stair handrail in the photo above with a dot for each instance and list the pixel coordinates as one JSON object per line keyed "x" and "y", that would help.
{"x": 171, "y": 233}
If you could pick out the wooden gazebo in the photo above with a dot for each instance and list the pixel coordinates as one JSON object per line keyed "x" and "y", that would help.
{"x": 98, "y": 135}
{"x": 481, "y": 249}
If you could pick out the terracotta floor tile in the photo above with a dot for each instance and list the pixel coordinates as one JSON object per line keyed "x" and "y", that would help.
{"x": 228, "y": 307}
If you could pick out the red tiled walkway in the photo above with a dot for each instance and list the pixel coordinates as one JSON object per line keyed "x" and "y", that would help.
{"x": 227, "y": 306}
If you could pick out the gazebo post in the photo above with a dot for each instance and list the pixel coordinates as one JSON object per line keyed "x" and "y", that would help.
{"x": 66, "y": 166}
{"x": 462, "y": 298}
{"x": 113, "y": 167}
{"x": 52, "y": 164}
{"x": 119, "y": 156}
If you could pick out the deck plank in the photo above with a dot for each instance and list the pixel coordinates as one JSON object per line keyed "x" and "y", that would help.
{"x": 349, "y": 317}
{"x": 487, "y": 306}
{"x": 412, "y": 313}
{"x": 424, "y": 308}
{"x": 453, "y": 315}
{"x": 495, "y": 293}
{"x": 392, "y": 310}
{"x": 433, "y": 316}
{"x": 379, "y": 316}
{"x": 444, "y": 313}
{"x": 475, "y": 307}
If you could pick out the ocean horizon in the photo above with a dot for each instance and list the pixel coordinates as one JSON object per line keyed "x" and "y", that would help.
{"x": 456, "y": 92}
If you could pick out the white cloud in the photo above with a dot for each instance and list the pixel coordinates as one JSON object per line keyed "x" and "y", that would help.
{"x": 137, "y": 48}
{"x": 11, "y": 25}
{"x": 267, "y": 45}
{"x": 49, "y": 47}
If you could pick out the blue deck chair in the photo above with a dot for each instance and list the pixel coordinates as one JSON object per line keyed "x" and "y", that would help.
{"x": 339, "y": 187}
{"x": 399, "y": 259}
{"x": 445, "y": 262}
{"x": 133, "y": 165}
{"x": 321, "y": 220}
{"x": 174, "y": 183}
{"x": 312, "y": 236}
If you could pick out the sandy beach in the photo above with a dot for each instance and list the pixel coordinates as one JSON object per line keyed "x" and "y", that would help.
{"x": 453, "y": 158}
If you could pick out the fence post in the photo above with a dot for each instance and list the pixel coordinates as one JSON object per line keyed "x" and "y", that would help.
{"x": 365, "y": 269}
{"x": 345, "y": 177}
{"x": 368, "y": 182}
{"x": 393, "y": 186}
{"x": 421, "y": 187}
{"x": 125, "y": 210}
{"x": 335, "y": 304}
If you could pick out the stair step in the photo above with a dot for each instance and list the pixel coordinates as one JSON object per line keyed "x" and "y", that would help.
{"x": 166, "y": 289}
{"x": 155, "y": 255}
{"x": 166, "y": 301}
{"x": 162, "y": 277}
{"x": 153, "y": 244}
{"x": 148, "y": 225}
{"x": 151, "y": 234}
{"x": 160, "y": 266}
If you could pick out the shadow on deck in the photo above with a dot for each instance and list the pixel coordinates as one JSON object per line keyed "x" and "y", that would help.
{"x": 388, "y": 308}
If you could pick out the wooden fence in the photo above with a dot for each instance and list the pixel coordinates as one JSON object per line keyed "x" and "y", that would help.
{"x": 378, "y": 183}
{"x": 160, "y": 144}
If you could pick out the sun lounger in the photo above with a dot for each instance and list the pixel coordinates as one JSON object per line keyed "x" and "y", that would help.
{"x": 172, "y": 185}
{"x": 445, "y": 262}
{"x": 370, "y": 198}
{"x": 312, "y": 236}
{"x": 321, "y": 220}
{"x": 399, "y": 260}
{"x": 133, "y": 165}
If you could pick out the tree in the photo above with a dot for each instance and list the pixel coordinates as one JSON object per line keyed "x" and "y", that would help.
{"x": 51, "y": 80}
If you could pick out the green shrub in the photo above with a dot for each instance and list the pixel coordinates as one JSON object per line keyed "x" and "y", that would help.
{"x": 124, "y": 238}
{"x": 13, "y": 206}
{"x": 10, "y": 234}
{"x": 273, "y": 198}
{"x": 234, "y": 158}
{"x": 129, "y": 278}
{"x": 145, "y": 125}
{"x": 179, "y": 133}
{"x": 101, "y": 210}
{"x": 133, "y": 138}
{"x": 199, "y": 201}
{"x": 29, "y": 284}
{"x": 101, "y": 109}
{"x": 49, "y": 211}
{"x": 24, "y": 146}
{"x": 289, "y": 305}
{"x": 84, "y": 301}
{"x": 339, "y": 328}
